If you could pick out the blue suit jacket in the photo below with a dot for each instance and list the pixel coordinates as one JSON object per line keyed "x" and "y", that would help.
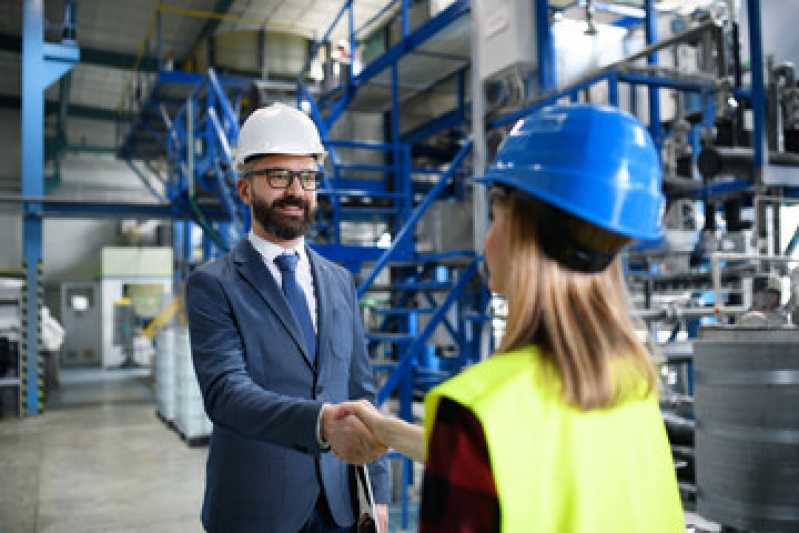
{"x": 263, "y": 395}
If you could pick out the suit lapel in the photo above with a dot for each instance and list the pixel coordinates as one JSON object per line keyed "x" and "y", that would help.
{"x": 321, "y": 277}
{"x": 251, "y": 266}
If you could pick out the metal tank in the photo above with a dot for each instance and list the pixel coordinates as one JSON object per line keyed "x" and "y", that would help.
{"x": 747, "y": 427}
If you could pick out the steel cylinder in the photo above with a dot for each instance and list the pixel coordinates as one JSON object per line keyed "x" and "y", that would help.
{"x": 747, "y": 427}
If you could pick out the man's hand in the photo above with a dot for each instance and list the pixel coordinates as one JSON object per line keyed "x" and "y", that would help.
{"x": 367, "y": 413}
{"x": 349, "y": 438}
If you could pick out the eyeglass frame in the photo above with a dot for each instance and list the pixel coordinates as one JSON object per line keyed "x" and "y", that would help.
{"x": 293, "y": 174}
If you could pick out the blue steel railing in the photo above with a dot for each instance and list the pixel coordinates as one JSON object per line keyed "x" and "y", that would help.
{"x": 404, "y": 365}
{"x": 420, "y": 210}
{"x": 211, "y": 117}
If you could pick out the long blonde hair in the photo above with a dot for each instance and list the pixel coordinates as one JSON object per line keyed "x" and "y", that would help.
{"x": 579, "y": 321}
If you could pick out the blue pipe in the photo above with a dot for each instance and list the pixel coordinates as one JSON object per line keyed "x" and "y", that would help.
{"x": 405, "y": 21}
{"x": 758, "y": 89}
{"x": 652, "y": 59}
{"x": 659, "y": 81}
{"x": 613, "y": 89}
{"x": 547, "y": 62}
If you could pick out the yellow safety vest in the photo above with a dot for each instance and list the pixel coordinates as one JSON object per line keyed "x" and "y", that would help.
{"x": 559, "y": 469}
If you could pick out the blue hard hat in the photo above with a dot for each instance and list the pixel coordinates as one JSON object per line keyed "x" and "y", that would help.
{"x": 594, "y": 162}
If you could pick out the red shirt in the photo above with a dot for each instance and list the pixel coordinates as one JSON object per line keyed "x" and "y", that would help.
{"x": 458, "y": 490}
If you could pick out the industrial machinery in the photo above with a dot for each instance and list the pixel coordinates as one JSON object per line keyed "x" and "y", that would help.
{"x": 405, "y": 129}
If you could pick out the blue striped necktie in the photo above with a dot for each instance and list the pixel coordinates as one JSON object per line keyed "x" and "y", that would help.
{"x": 287, "y": 263}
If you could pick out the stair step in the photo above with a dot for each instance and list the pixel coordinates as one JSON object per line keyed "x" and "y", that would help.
{"x": 394, "y": 338}
{"x": 476, "y": 317}
{"x": 359, "y": 213}
{"x": 451, "y": 258}
{"x": 364, "y": 168}
{"x": 383, "y": 365}
{"x": 399, "y": 311}
{"x": 360, "y": 193}
{"x": 424, "y": 286}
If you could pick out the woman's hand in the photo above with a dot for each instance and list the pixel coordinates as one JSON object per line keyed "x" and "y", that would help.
{"x": 368, "y": 414}
{"x": 390, "y": 431}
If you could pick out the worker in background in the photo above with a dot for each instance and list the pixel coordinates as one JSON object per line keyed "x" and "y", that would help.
{"x": 559, "y": 432}
{"x": 277, "y": 339}
{"x": 766, "y": 310}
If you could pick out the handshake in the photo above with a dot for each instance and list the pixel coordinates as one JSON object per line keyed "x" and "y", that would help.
{"x": 355, "y": 431}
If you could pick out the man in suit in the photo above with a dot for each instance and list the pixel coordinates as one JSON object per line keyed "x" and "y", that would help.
{"x": 277, "y": 341}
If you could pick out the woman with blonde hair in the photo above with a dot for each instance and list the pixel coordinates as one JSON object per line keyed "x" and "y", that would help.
{"x": 560, "y": 431}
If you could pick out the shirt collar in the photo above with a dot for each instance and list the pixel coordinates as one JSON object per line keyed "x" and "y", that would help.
{"x": 269, "y": 250}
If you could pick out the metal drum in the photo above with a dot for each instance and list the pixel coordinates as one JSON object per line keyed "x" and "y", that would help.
{"x": 747, "y": 427}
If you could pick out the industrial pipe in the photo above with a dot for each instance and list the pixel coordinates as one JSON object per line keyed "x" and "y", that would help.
{"x": 737, "y": 161}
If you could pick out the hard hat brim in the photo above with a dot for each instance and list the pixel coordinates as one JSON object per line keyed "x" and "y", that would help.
{"x": 647, "y": 230}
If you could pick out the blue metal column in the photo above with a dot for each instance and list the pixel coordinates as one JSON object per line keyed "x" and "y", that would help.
{"x": 758, "y": 91}
{"x": 208, "y": 246}
{"x": 177, "y": 254}
{"x": 42, "y": 64}
{"x": 401, "y": 174}
{"x": 187, "y": 249}
{"x": 652, "y": 59}
{"x": 406, "y": 413}
{"x": 547, "y": 62}
{"x": 352, "y": 43}
{"x": 613, "y": 89}
{"x": 405, "y": 21}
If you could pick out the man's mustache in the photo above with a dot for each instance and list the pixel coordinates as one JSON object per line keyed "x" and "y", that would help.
{"x": 290, "y": 201}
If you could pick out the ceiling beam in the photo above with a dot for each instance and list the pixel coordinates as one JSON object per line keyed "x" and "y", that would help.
{"x": 91, "y": 56}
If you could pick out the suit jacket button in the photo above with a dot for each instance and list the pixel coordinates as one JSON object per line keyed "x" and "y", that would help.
{"x": 320, "y": 389}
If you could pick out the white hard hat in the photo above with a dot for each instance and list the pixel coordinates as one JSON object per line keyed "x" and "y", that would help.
{"x": 279, "y": 129}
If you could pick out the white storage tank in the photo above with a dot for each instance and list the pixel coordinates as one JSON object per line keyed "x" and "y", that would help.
{"x": 747, "y": 427}
{"x": 190, "y": 418}
{"x": 165, "y": 374}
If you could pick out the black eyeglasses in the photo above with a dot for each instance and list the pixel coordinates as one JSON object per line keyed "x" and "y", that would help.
{"x": 282, "y": 178}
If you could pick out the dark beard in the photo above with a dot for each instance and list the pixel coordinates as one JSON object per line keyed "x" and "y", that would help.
{"x": 283, "y": 227}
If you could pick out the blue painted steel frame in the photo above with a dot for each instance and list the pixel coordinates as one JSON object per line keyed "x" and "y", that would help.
{"x": 410, "y": 224}
{"x": 758, "y": 101}
{"x": 545, "y": 48}
{"x": 404, "y": 366}
{"x": 42, "y": 64}
{"x": 652, "y": 59}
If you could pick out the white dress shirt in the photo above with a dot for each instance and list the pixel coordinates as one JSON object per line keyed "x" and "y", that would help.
{"x": 269, "y": 251}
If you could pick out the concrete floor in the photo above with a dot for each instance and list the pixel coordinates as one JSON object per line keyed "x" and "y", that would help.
{"x": 99, "y": 460}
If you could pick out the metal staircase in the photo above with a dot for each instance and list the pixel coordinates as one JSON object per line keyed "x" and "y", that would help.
{"x": 426, "y": 310}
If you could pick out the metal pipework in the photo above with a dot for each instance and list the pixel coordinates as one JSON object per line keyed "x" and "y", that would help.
{"x": 671, "y": 312}
{"x": 689, "y": 36}
{"x": 737, "y": 161}
{"x": 758, "y": 203}
{"x": 716, "y": 257}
